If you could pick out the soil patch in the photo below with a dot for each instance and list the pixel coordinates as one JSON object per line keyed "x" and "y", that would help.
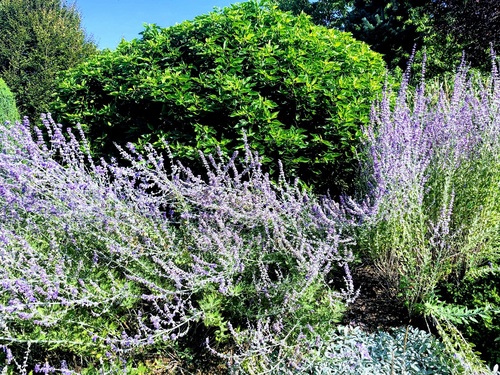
{"x": 377, "y": 308}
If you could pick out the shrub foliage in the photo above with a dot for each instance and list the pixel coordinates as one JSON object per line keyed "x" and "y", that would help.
{"x": 444, "y": 28}
{"x": 300, "y": 92}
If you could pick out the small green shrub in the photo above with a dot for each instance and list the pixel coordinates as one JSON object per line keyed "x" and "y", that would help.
{"x": 8, "y": 109}
{"x": 300, "y": 92}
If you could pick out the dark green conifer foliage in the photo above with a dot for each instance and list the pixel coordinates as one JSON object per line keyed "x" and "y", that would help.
{"x": 472, "y": 25}
{"x": 443, "y": 28}
{"x": 38, "y": 39}
{"x": 300, "y": 92}
{"x": 390, "y": 27}
{"x": 330, "y": 13}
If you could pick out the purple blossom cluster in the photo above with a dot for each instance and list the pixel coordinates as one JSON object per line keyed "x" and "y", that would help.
{"x": 116, "y": 257}
{"x": 413, "y": 137}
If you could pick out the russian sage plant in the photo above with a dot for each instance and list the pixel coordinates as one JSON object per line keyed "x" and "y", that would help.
{"x": 432, "y": 209}
{"x": 433, "y": 206}
{"x": 114, "y": 264}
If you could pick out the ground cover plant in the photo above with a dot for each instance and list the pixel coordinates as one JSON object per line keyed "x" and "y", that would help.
{"x": 301, "y": 92}
{"x": 351, "y": 350}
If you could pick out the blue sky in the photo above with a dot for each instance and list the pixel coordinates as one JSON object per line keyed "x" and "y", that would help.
{"x": 108, "y": 21}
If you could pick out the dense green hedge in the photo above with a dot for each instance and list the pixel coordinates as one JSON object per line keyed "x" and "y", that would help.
{"x": 300, "y": 92}
{"x": 8, "y": 109}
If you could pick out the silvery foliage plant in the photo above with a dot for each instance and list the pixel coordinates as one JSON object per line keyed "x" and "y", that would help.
{"x": 408, "y": 351}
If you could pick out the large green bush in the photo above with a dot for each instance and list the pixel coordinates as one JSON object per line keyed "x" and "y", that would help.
{"x": 300, "y": 92}
{"x": 8, "y": 109}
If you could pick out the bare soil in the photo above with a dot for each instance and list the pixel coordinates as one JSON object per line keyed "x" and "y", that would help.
{"x": 377, "y": 308}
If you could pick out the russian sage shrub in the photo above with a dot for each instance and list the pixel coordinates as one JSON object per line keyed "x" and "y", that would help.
{"x": 114, "y": 264}
{"x": 433, "y": 199}
{"x": 432, "y": 209}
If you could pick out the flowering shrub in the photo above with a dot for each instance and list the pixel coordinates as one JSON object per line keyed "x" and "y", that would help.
{"x": 432, "y": 210}
{"x": 433, "y": 206}
{"x": 118, "y": 264}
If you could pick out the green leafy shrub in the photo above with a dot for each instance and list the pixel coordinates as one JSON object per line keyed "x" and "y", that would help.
{"x": 300, "y": 92}
{"x": 8, "y": 109}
